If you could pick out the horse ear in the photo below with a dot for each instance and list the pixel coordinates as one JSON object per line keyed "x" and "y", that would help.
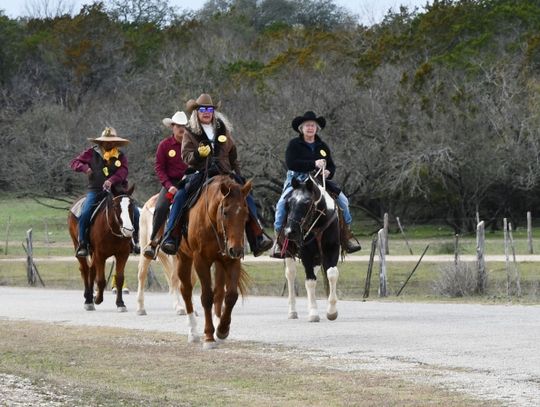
{"x": 130, "y": 190}
{"x": 247, "y": 188}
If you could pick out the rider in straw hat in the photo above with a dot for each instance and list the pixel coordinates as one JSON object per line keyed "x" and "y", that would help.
{"x": 106, "y": 167}
{"x": 305, "y": 153}
{"x": 170, "y": 169}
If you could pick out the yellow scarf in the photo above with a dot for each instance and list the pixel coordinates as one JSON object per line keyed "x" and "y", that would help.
{"x": 113, "y": 152}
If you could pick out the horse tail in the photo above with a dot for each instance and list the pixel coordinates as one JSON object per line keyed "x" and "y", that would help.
{"x": 244, "y": 281}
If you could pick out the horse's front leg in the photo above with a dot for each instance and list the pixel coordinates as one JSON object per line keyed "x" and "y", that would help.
{"x": 332, "y": 273}
{"x": 290, "y": 275}
{"x": 121, "y": 261}
{"x": 311, "y": 285}
{"x": 219, "y": 291}
{"x": 88, "y": 286}
{"x": 144, "y": 263}
{"x": 231, "y": 271}
{"x": 183, "y": 271}
{"x": 207, "y": 299}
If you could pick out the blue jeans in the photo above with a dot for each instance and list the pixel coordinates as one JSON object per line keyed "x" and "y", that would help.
{"x": 86, "y": 214}
{"x": 177, "y": 205}
{"x": 281, "y": 211}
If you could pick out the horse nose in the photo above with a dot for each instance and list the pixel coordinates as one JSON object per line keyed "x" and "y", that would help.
{"x": 236, "y": 252}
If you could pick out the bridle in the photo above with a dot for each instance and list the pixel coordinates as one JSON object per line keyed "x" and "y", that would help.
{"x": 116, "y": 221}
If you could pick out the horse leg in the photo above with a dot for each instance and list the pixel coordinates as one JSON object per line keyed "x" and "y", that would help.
{"x": 88, "y": 288}
{"x": 232, "y": 274}
{"x": 332, "y": 274}
{"x": 219, "y": 291}
{"x": 311, "y": 283}
{"x": 98, "y": 276}
{"x": 207, "y": 299}
{"x": 169, "y": 268}
{"x": 121, "y": 261}
{"x": 183, "y": 269}
{"x": 290, "y": 275}
{"x": 144, "y": 263}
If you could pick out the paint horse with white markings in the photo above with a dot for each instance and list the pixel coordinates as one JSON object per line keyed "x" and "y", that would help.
{"x": 110, "y": 235}
{"x": 313, "y": 229}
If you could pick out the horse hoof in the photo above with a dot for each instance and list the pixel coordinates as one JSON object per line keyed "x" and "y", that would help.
{"x": 209, "y": 345}
{"x": 193, "y": 338}
{"x": 332, "y": 317}
{"x": 89, "y": 307}
{"x": 122, "y": 308}
{"x": 222, "y": 335}
{"x": 293, "y": 315}
{"x": 113, "y": 290}
{"x": 181, "y": 311}
{"x": 125, "y": 291}
{"x": 141, "y": 312}
{"x": 314, "y": 318}
{"x": 97, "y": 300}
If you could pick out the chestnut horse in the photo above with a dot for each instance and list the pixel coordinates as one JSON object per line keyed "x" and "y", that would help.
{"x": 110, "y": 235}
{"x": 169, "y": 263}
{"x": 215, "y": 235}
{"x": 313, "y": 226}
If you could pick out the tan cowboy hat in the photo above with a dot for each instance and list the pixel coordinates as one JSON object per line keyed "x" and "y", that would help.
{"x": 178, "y": 118}
{"x": 109, "y": 134}
{"x": 204, "y": 100}
{"x": 308, "y": 116}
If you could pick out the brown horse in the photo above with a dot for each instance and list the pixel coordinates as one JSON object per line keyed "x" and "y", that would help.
{"x": 110, "y": 235}
{"x": 215, "y": 235}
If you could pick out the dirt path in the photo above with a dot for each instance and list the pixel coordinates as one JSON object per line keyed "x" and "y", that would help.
{"x": 489, "y": 351}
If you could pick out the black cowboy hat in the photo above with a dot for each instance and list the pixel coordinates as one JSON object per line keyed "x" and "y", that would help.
{"x": 309, "y": 115}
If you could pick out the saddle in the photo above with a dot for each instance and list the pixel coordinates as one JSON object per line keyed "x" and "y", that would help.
{"x": 76, "y": 210}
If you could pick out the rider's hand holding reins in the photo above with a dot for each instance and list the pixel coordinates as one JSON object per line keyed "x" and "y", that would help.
{"x": 320, "y": 163}
{"x": 107, "y": 185}
{"x": 172, "y": 190}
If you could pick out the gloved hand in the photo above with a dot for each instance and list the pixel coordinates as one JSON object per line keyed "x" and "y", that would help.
{"x": 204, "y": 151}
{"x": 320, "y": 163}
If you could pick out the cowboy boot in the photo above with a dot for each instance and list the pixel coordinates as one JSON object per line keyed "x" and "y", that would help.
{"x": 275, "y": 252}
{"x": 82, "y": 250}
{"x": 351, "y": 243}
{"x": 257, "y": 239}
{"x": 150, "y": 250}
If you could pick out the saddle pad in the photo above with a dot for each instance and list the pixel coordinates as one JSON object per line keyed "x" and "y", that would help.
{"x": 76, "y": 209}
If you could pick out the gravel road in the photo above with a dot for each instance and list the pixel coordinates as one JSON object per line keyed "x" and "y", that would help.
{"x": 489, "y": 351}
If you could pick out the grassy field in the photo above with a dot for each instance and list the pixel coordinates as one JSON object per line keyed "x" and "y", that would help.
{"x": 51, "y": 239}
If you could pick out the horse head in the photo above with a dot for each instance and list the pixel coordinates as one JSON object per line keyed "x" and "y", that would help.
{"x": 121, "y": 207}
{"x": 302, "y": 208}
{"x": 232, "y": 216}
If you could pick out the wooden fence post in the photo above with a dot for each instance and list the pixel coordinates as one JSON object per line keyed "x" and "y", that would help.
{"x": 456, "y": 249}
{"x": 481, "y": 277}
{"x": 386, "y": 227}
{"x": 30, "y": 275}
{"x": 382, "y": 260}
{"x": 506, "y": 257}
{"x": 403, "y": 233}
{"x": 7, "y": 234}
{"x": 529, "y": 232}
{"x": 367, "y": 284}
{"x": 516, "y": 271}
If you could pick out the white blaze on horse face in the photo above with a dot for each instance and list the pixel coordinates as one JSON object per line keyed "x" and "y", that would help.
{"x": 127, "y": 226}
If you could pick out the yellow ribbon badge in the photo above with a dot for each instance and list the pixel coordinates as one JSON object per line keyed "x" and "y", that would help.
{"x": 222, "y": 138}
{"x": 323, "y": 153}
{"x": 172, "y": 153}
{"x": 118, "y": 163}
{"x": 106, "y": 171}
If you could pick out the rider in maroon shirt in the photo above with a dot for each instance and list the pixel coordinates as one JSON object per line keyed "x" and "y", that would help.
{"x": 170, "y": 169}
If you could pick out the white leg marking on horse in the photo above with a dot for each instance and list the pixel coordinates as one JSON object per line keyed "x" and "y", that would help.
{"x": 193, "y": 335}
{"x": 312, "y": 301}
{"x": 333, "y": 275}
{"x": 290, "y": 274}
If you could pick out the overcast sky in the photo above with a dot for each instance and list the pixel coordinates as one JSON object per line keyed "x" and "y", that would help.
{"x": 368, "y": 11}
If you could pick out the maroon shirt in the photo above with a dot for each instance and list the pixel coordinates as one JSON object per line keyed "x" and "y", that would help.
{"x": 169, "y": 165}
